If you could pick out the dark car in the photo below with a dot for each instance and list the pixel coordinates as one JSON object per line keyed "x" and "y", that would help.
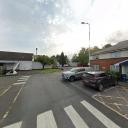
{"x": 100, "y": 80}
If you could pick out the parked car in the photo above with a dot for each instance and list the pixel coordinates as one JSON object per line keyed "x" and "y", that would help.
{"x": 100, "y": 80}
{"x": 75, "y": 73}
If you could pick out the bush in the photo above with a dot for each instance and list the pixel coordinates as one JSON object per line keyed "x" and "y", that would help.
{"x": 114, "y": 74}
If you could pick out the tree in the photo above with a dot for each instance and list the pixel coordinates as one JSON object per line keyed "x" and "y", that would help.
{"x": 62, "y": 60}
{"x": 107, "y": 46}
{"x": 75, "y": 58}
{"x": 94, "y": 49}
{"x": 53, "y": 61}
{"x": 43, "y": 59}
{"x": 83, "y": 56}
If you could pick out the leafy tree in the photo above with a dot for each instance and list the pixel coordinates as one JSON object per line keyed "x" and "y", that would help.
{"x": 75, "y": 58}
{"x": 66, "y": 59}
{"x": 94, "y": 49}
{"x": 43, "y": 59}
{"x": 107, "y": 45}
{"x": 53, "y": 61}
{"x": 83, "y": 56}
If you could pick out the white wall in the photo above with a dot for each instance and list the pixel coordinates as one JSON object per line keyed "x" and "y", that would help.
{"x": 36, "y": 65}
{"x": 116, "y": 54}
{"x": 125, "y": 69}
{"x": 25, "y": 65}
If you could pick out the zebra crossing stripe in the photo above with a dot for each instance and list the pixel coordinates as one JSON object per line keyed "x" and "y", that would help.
{"x": 22, "y": 79}
{"x": 25, "y": 76}
{"x": 99, "y": 115}
{"x": 19, "y": 83}
{"x": 15, "y": 125}
{"x": 75, "y": 117}
{"x": 46, "y": 120}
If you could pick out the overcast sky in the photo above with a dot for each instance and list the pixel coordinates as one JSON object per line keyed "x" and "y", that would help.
{"x": 54, "y": 26}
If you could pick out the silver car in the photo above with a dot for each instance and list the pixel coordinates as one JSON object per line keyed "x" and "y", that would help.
{"x": 75, "y": 73}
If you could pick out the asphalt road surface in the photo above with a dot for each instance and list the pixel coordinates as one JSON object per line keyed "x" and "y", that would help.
{"x": 45, "y": 101}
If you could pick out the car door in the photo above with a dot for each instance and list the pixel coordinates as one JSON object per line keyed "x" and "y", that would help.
{"x": 104, "y": 79}
{"x": 80, "y": 72}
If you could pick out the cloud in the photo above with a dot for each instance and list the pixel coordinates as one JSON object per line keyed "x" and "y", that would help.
{"x": 117, "y": 36}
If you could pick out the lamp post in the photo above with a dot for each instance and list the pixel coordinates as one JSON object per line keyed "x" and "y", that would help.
{"x": 89, "y": 39}
{"x": 36, "y": 51}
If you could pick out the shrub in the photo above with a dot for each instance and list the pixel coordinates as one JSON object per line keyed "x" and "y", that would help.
{"x": 114, "y": 74}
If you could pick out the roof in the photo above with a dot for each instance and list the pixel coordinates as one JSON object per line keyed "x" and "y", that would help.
{"x": 123, "y": 45}
{"x": 15, "y": 56}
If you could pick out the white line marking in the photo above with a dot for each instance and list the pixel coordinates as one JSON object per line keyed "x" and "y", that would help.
{"x": 25, "y": 76}
{"x": 16, "y": 125}
{"x": 10, "y": 107}
{"x": 23, "y": 80}
{"x": 99, "y": 115}
{"x": 19, "y": 83}
{"x": 46, "y": 120}
{"x": 109, "y": 107}
{"x": 75, "y": 117}
{"x": 5, "y": 91}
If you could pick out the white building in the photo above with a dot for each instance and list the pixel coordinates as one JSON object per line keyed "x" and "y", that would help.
{"x": 10, "y": 59}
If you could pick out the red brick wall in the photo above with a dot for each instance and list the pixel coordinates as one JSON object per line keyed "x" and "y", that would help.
{"x": 105, "y": 63}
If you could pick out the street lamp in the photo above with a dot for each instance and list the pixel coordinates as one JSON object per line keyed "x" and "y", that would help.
{"x": 89, "y": 39}
{"x": 36, "y": 51}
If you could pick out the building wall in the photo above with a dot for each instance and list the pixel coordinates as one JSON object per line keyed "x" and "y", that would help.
{"x": 24, "y": 65}
{"x": 125, "y": 69}
{"x": 36, "y": 65}
{"x": 104, "y": 64}
{"x": 116, "y": 54}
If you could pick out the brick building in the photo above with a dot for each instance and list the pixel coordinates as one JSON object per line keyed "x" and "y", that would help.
{"x": 112, "y": 58}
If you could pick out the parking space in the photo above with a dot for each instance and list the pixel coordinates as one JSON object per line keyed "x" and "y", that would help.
{"x": 6, "y": 82}
{"x": 116, "y": 98}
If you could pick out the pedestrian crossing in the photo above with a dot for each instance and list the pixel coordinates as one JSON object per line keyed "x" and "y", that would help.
{"x": 22, "y": 80}
{"x": 49, "y": 120}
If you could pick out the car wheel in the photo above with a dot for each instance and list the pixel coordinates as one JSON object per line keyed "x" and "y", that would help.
{"x": 100, "y": 87}
{"x": 72, "y": 78}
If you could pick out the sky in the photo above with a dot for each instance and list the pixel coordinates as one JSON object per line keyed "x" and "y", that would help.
{"x": 54, "y": 26}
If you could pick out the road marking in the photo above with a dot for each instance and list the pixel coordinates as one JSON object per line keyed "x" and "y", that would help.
{"x": 22, "y": 80}
{"x": 46, "y": 120}
{"x": 15, "y": 125}
{"x": 19, "y": 83}
{"x": 109, "y": 107}
{"x": 75, "y": 117}
{"x": 5, "y": 91}
{"x": 99, "y": 115}
{"x": 25, "y": 76}
{"x": 10, "y": 107}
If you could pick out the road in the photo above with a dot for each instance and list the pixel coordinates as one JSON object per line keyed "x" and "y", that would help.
{"x": 45, "y": 101}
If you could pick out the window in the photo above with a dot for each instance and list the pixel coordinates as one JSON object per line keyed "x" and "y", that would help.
{"x": 96, "y": 67}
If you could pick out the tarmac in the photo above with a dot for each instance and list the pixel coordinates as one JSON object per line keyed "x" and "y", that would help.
{"x": 115, "y": 98}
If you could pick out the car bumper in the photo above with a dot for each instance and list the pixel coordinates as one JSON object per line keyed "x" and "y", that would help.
{"x": 65, "y": 77}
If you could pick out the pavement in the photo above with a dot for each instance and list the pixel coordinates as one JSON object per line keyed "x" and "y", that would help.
{"x": 45, "y": 101}
{"x": 115, "y": 98}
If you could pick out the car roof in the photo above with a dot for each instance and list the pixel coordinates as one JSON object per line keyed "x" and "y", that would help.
{"x": 81, "y": 67}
